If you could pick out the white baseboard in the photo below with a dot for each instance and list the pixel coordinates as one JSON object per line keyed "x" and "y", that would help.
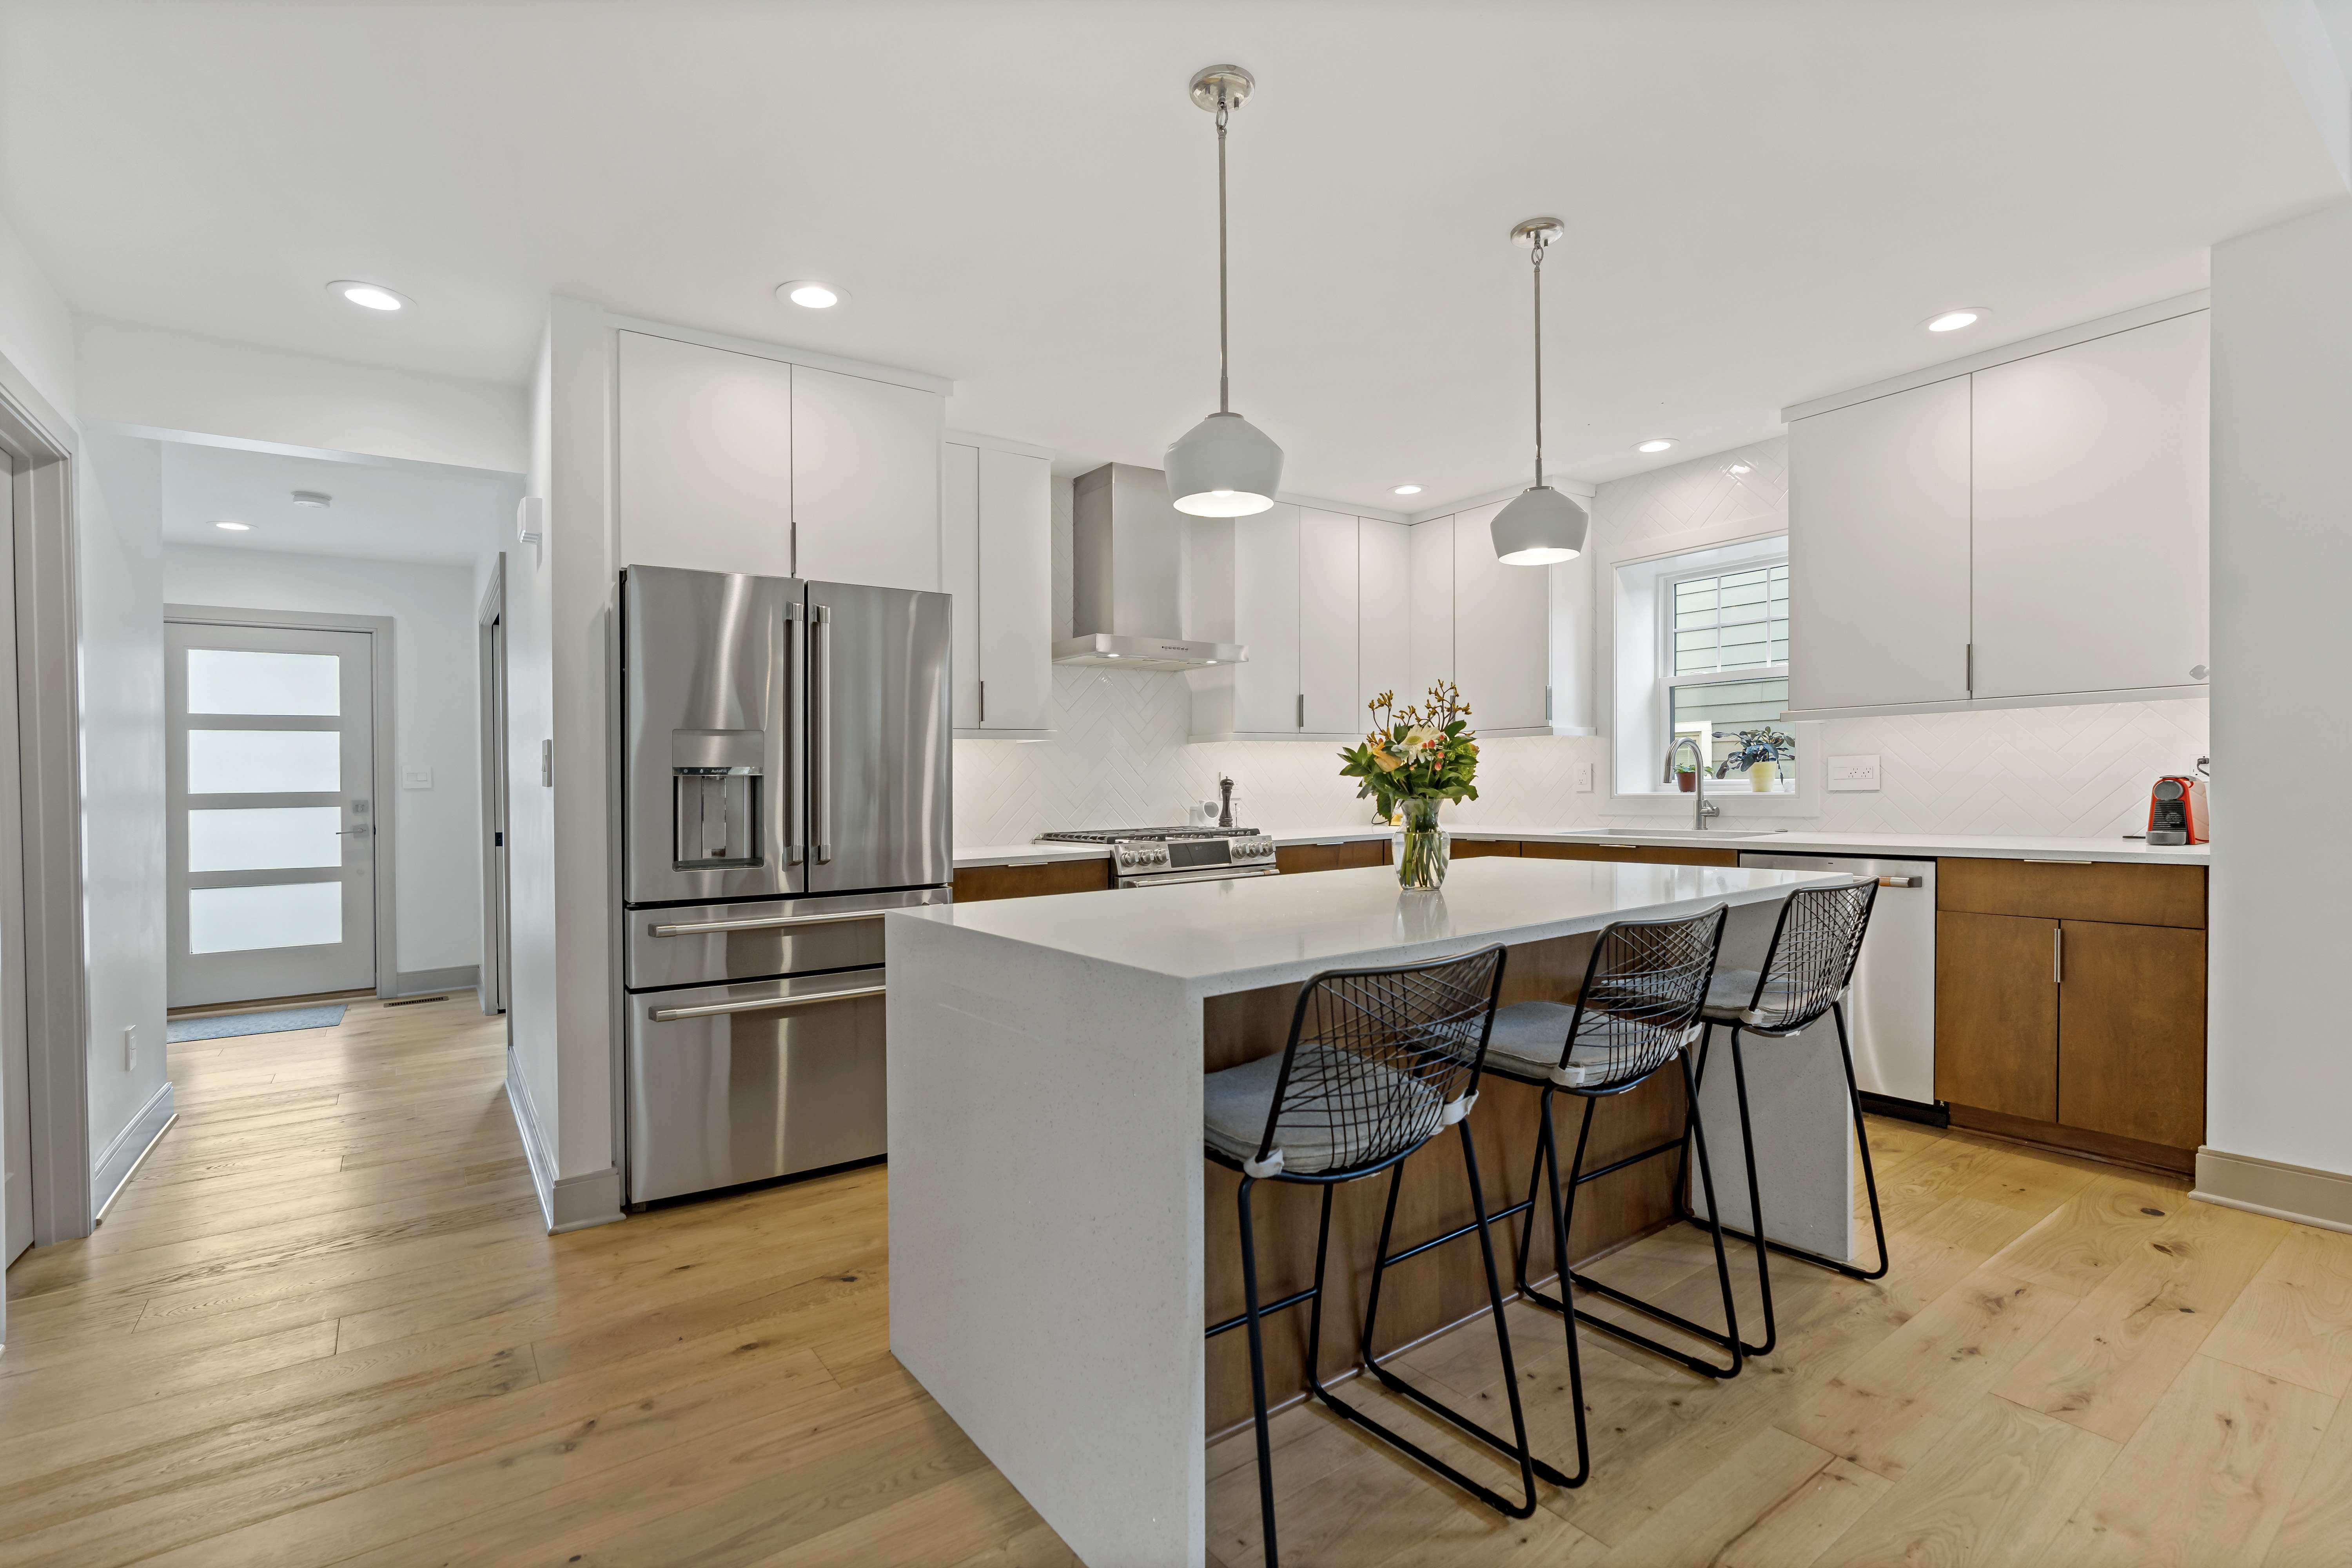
{"x": 118, "y": 1158}
{"x": 568, "y": 1202}
{"x": 419, "y": 982}
{"x": 2297, "y": 1192}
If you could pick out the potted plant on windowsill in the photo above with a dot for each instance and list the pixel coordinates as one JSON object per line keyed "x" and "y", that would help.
{"x": 1686, "y": 775}
{"x": 1761, "y": 752}
{"x": 1412, "y": 759}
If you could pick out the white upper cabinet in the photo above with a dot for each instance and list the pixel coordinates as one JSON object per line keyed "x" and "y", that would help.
{"x": 864, "y": 480}
{"x": 1430, "y": 649}
{"x": 1266, "y": 621}
{"x": 1502, "y": 631}
{"x": 1016, "y": 591}
{"x": 997, "y": 524}
{"x": 2091, "y": 498}
{"x": 705, "y": 457}
{"x": 1878, "y": 551}
{"x": 1329, "y": 580}
{"x": 1383, "y": 615}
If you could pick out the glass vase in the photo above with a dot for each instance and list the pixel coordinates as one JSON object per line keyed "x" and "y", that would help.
{"x": 1420, "y": 861}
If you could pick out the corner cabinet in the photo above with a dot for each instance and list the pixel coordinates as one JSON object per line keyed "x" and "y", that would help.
{"x": 997, "y": 548}
{"x": 2026, "y": 529}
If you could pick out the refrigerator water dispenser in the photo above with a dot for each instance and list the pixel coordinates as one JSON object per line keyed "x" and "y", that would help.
{"x": 715, "y": 779}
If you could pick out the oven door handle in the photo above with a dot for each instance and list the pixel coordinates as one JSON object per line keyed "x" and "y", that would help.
{"x": 1215, "y": 874}
{"x": 760, "y": 1004}
{"x": 761, "y": 923}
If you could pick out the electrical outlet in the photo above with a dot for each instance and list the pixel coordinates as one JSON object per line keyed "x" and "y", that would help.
{"x": 129, "y": 1047}
{"x": 1584, "y": 778}
{"x": 1859, "y": 773}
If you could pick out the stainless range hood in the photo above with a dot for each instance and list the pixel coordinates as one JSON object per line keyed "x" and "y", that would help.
{"x": 1128, "y": 578}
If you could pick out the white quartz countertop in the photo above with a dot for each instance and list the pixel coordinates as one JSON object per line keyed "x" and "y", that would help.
{"x": 1237, "y": 934}
{"x": 1998, "y": 847}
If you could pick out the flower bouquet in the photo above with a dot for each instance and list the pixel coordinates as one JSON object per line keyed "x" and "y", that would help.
{"x": 1410, "y": 760}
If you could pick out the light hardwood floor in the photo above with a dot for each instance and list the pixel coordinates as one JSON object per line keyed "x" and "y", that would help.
{"x": 324, "y": 1326}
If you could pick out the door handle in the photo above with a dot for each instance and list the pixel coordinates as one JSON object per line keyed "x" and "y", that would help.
{"x": 760, "y": 1004}
{"x": 820, "y": 735}
{"x": 796, "y": 696}
{"x": 761, "y": 923}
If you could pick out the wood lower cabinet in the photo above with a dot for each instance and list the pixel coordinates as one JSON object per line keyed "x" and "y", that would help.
{"x": 1631, "y": 854}
{"x": 2085, "y": 1032}
{"x": 975, "y": 883}
{"x": 1293, "y": 858}
{"x": 1472, "y": 848}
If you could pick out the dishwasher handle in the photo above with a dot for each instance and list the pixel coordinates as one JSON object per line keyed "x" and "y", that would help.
{"x": 1903, "y": 882}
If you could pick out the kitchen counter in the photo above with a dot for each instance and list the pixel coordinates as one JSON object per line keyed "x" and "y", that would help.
{"x": 1999, "y": 847}
{"x": 1050, "y": 1261}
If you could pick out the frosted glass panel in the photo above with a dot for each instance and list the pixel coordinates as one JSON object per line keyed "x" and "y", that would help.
{"x": 290, "y": 914}
{"x": 265, "y": 762}
{"x": 265, "y": 838}
{"x": 231, "y": 681}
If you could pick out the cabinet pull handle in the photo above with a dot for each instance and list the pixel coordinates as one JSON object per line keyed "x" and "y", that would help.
{"x": 983, "y": 702}
{"x": 760, "y": 1004}
{"x": 1302, "y": 709}
{"x": 1968, "y": 668}
{"x": 2054, "y": 860}
{"x": 2057, "y": 955}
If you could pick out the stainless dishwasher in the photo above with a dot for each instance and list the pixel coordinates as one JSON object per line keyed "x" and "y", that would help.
{"x": 1892, "y": 1013}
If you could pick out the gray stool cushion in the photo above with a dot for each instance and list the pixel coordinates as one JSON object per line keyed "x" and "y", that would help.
{"x": 1732, "y": 990}
{"x": 1378, "y": 1110}
{"x": 1526, "y": 1040}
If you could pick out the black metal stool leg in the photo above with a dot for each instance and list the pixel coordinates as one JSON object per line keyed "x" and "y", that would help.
{"x": 1258, "y": 1375}
{"x": 1754, "y": 1198}
{"x": 1862, "y": 1136}
{"x": 1568, "y": 1320}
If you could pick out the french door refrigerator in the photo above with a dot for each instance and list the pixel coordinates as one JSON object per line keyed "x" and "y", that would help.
{"x": 783, "y": 780}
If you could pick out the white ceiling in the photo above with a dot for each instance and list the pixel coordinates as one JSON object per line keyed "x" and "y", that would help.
{"x": 1764, "y": 198}
{"x": 382, "y": 509}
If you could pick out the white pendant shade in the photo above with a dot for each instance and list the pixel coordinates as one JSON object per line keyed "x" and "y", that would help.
{"x": 1540, "y": 526}
{"x": 1224, "y": 467}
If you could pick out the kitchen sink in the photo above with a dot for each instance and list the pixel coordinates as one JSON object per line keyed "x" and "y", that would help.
{"x": 1687, "y": 837}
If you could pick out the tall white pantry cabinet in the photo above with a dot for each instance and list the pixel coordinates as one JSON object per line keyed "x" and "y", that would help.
{"x": 2028, "y": 529}
{"x": 996, "y": 525}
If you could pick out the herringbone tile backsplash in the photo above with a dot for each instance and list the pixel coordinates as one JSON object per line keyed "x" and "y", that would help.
{"x": 1120, "y": 756}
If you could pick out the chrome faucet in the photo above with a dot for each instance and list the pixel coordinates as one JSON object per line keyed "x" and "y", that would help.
{"x": 1704, "y": 809}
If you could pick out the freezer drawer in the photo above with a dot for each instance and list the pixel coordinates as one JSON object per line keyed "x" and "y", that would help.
{"x": 712, "y": 945}
{"x": 1892, "y": 1013}
{"x": 742, "y": 1083}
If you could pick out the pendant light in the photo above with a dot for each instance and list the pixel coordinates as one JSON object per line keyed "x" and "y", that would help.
{"x": 1224, "y": 466}
{"x": 1541, "y": 526}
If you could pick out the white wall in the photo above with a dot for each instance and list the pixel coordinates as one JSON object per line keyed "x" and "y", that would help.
{"x": 1119, "y": 754}
{"x": 37, "y": 330}
{"x": 119, "y": 531}
{"x": 2279, "y": 1077}
{"x": 532, "y": 983}
{"x": 162, "y": 379}
{"x": 437, "y": 870}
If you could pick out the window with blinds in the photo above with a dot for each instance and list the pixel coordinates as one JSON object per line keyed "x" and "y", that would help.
{"x": 1738, "y": 620}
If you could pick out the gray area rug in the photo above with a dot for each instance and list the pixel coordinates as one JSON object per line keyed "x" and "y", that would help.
{"x": 224, "y": 1026}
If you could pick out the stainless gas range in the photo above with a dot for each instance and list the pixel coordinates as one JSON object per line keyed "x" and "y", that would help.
{"x": 1158, "y": 856}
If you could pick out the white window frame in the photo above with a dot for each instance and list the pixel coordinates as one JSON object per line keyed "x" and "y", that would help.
{"x": 1668, "y": 682}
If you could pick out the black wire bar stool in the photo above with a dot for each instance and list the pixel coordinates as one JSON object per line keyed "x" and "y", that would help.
{"x": 1636, "y": 1014}
{"x": 1379, "y": 1062}
{"x": 1807, "y": 972}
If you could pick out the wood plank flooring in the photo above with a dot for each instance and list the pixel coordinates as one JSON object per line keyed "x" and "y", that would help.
{"x": 324, "y": 1326}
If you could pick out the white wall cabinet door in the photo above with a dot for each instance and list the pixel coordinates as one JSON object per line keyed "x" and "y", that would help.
{"x": 1502, "y": 631}
{"x": 2091, "y": 515}
{"x": 1266, "y": 621}
{"x": 959, "y": 557}
{"x": 1384, "y": 614}
{"x": 1878, "y": 551}
{"x": 1329, "y": 584}
{"x": 864, "y": 480}
{"x": 705, "y": 457}
{"x": 1432, "y": 646}
{"x": 1017, "y": 590}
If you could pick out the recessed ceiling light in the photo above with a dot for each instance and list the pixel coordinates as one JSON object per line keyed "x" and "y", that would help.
{"x": 235, "y": 527}
{"x": 1654, "y": 444}
{"x": 367, "y": 296}
{"x": 1953, "y": 321}
{"x": 1407, "y": 490}
{"x": 314, "y": 497}
{"x": 811, "y": 295}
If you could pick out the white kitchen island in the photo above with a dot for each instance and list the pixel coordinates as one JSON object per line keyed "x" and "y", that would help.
{"x": 1046, "y": 1188}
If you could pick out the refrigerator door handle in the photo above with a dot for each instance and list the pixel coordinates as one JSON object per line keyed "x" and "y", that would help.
{"x": 795, "y": 696}
{"x": 760, "y": 1004}
{"x": 761, "y": 923}
{"x": 820, "y": 735}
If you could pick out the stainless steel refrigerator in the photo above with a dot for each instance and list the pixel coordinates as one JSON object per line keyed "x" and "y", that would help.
{"x": 784, "y": 780}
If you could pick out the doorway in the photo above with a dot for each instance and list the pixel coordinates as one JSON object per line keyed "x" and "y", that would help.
{"x": 273, "y": 811}
{"x": 493, "y": 986}
{"x": 16, "y": 1062}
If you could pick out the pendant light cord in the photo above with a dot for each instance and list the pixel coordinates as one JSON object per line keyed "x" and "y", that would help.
{"x": 1538, "y": 254}
{"x": 1224, "y": 394}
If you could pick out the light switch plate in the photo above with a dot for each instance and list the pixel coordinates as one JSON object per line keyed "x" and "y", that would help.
{"x": 1584, "y": 778}
{"x": 129, "y": 1047}
{"x": 1858, "y": 773}
{"x": 416, "y": 778}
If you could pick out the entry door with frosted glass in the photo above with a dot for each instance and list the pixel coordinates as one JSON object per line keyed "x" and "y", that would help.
{"x": 272, "y": 816}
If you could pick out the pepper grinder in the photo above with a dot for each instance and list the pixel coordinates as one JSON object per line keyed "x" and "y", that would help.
{"x": 1225, "y": 801}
